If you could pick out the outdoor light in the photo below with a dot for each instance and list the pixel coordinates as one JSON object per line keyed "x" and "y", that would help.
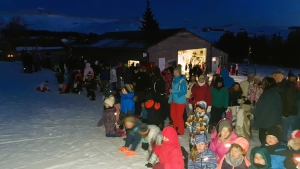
{"x": 10, "y": 56}
{"x": 214, "y": 59}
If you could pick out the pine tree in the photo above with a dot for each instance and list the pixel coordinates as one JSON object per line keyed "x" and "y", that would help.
{"x": 148, "y": 22}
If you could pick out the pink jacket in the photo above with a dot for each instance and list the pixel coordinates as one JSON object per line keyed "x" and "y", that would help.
{"x": 87, "y": 69}
{"x": 218, "y": 147}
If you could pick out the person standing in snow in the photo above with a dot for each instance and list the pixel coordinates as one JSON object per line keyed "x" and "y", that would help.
{"x": 109, "y": 119}
{"x": 220, "y": 98}
{"x": 288, "y": 96}
{"x": 127, "y": 104}
{"x": 91, "y": 86}
{"x": 177, "y": 100}
{"x": 246, "y": 84}
{"x": 87, "y": 70}
{"x": 151, "y": 135}
{"x": 169, "y": 153}
{"x": 113, "y": 77}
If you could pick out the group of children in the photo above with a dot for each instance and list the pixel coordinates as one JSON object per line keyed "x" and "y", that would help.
{"x": 227, "y": 149}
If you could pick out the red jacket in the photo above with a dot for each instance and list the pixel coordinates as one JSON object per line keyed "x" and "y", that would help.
{"x": 169, "y": 153}
{"x": 200, "y": 93}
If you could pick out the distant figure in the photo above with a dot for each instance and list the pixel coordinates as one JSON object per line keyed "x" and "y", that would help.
{"x": 236, "y": 69}
{"x": 44, "y": 87}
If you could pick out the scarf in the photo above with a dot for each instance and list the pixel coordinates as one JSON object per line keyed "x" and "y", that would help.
{"x": 201, "y": 84}
{"x": 232, "y": 162}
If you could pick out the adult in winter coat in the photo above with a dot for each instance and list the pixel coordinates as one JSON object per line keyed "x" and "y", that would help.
{"x": 246, "y": 84}
{"x": 260, "y": 159}
{"x": 288, "y": 96}
{"x": 219, "y": 101}
{"x": 169, "y": 153}
{"x": 201, "y": 91}
{"x": 87, "y": 70}
{"x": 127, "y": 75}
{"x": 269, "y": 106}
{"x": 151, "y": 135}
{"x": 235, "y": 92}
{"x": 222, "y": 138}
{"x": 104, "y": 76}
{"x": 91, "y": 86}
{"x": 228, "y": 81}
{"x": 177, "y": 100}
{"x": 113, "y": 77}
{"x": 158, "y": 89}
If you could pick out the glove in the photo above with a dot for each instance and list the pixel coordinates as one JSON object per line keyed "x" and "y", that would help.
{"x": 149, "y": 165}
{"x": 208, "y": 110}
{"x": 145, "y": 146}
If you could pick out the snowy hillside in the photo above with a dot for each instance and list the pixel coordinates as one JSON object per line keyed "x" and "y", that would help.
{"x": 58, "y": 131}
{"x": 47, "y": 20}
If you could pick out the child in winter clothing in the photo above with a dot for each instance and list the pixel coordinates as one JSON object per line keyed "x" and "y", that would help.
{"x": 109, "y": 119}
{"x": 260, "y": 159}
{"x": 236, "y": 157}
{"x": 144, "y": 114}
{"x": 197, "y": 122}
{"x": 44, "y": 87}
{"x": 275, "y": 147}
{"x": 150, "y": 134}
{"x": 169, "y": 153}
{"x": 201, "y": 156}
{"x": 222, "y": 138}
{"x": 292, "y": 160}
{"x": 133, "y": 138}
{"x": 127, "y": 103}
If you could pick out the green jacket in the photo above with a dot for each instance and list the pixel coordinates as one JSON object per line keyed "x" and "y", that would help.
{"x": 264, "y": 153}
{"x": 219, "y": 97}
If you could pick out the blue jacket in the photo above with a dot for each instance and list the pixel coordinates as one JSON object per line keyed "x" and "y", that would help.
{"x": 228, "y": 81}
{"x": 205, "y": 160}
{"x": 179, "y": 90}
{"x": 278, "y": 154}
{"x": 127, "y": 103}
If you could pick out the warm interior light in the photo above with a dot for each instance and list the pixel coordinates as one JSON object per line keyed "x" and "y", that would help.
{"x": 10, "y": 56}
{"x": 214, "y": 59}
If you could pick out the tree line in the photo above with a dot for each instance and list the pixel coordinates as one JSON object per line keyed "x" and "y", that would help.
{"x": 262, "y": 49}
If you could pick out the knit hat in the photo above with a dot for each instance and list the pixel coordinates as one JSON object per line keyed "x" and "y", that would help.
{"x": 202, "y": 104}
{"x": 244, "y": 143}
{"x": 128, "y": 88}
{"x": 224, "y": 123}
{"x": 143, "y": 129}
{"x": 201, "y": 138}
{"x": 110, "y": 101}
{"x": 275, "y": 131}
{"x": 291, "y": 74}
{"x": 278, "y": 71}
{"x": 219, "y": 79}
{"x": 295, "y": 134}
{"x": 129, "y": 119}
{"x": 178, "y": 69}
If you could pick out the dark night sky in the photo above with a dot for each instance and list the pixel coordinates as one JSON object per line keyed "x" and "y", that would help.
{"x": 174, "y": 12}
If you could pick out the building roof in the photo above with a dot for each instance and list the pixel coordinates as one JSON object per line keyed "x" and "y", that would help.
{"x": 37, "y": 41}
{"x": 130, "y": 39}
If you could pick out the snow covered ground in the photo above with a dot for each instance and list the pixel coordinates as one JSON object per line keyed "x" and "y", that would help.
{"x": 57, "y": 131}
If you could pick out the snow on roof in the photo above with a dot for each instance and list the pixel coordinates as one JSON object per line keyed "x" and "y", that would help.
{"x": 30, "y": 48}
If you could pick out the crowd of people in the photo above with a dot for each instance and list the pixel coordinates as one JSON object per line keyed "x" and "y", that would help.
{"x": 137, "y": 103}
